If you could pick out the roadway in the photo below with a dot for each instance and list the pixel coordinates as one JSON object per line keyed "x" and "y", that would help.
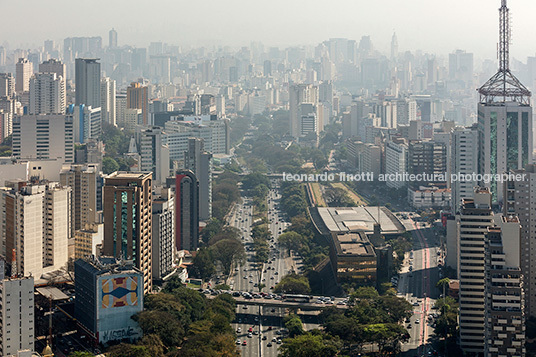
{"x": 417, "y": 282}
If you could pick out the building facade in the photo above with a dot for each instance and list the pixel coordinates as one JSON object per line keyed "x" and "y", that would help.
{"x": 186, "y": 211}
{"x": 88, "y": 82}
{"x": 163, "y": 234}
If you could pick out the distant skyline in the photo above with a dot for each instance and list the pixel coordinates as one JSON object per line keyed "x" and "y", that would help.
{"x": 431, "y": 26}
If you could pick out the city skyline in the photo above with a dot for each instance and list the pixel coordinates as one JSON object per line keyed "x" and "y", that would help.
{"x": 223, "y": 24}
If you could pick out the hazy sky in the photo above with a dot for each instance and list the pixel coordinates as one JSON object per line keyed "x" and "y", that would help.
{"x": 431, "y": 25}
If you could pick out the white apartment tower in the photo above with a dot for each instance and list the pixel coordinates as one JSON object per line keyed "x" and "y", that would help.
{"x": 163, "y": 238}
{"x": 298, "y": 94}
{"x": 464, "y": 160}
{"x": 154, "y": 153}
{"x": 108, "y": 101}
{"x": 47, "y": 94}
{"x": 23, "y": 72}
{"x": 473, "y": 221}
{"x": 17, "y": 320}
{"x": 396, "y": 161}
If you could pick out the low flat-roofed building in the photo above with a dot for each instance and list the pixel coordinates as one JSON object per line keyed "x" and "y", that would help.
{"x": 353, "y": 257}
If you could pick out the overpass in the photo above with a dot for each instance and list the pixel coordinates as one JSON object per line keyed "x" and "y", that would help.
{"x": 304, "y": 306}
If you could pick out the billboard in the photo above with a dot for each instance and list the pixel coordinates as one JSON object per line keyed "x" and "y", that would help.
{"x": 119, "y": 291}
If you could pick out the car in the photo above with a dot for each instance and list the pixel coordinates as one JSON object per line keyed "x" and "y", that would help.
{"x": 239, "y": 330}
{"x": 279, "y": 341}
{"x": 274, "y": 339}
{"x": 264, "y": 338}
{"x": 269, "y": 344}
{"x": 415, "y": 304}
{"x": 245, "y": 277}
{"x": 250, "y": 335}
{"x": 238, "y": 342}
{"x": 244, "y": 343}
{"x": 417, "y": 321}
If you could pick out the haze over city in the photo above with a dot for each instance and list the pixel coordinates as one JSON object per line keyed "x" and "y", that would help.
{"x": 431, "y": 26}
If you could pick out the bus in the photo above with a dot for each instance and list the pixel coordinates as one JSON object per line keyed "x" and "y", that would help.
{"x": 296, "y": 298}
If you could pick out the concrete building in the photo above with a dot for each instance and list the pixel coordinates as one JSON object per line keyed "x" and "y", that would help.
{"x": 429, "y": 197}
{"x": 163, "y": 234}
{"x": 37, "y": 226}
{"x": 298, "y": 94}
{"x": 504, "y": 317}
{"x": 88, "y": 240}
{"x": 353, "y": 258}
{"x": 23, "y": 72}
{"x": 199, "y": 161}
{"x": 53, "y": 66}
{"x": 43, "y": 137}
{"x": 186, "y": 211}
{"x": 520, "y": 200}
{"x": 112, "y": 38}
{"x": 47, "y": 94}
{"x": 138, "y": 98}
{"x": 120, "y": 108}
{"x": 396, "y": 161}
{"x": 87, "y": 123}
{"x": 108, "y": 101}
{"x": 128, "y": 220}
{"x": 155, "y": 154}
{"x": 88, "y": 82}
{"x": 474, "y": 220}
{"x": 18, "y": 318}
{"x": 83, "y": 181}
{"x": 464, "y": 161}
{"x": 7, "y": 85}
{"x": 108, "y": 294}
{"x": 428, "y": 158}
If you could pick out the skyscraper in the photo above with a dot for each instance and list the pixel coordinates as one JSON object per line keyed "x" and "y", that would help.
{"x": 186, "y": 211}
{"x": 504, "y": 117}
{"x": 23, "y": 71}
{"x": 112, "y": 38}
{"x": 128, "y": 220}
{"x": 108, "y": 101}
{"x": 394, "y": 47}
{"x": 155, "y": 153}
{"x": 138, "y": 98}
{"x": 299, "y": 94}
{"x": 53, "y": 66}
{"x": 7, "y": 85}
{"x": 199, "y": 161}
{"x": 163, "y": 233}
{"x": 464, "y": 160}
{"x": 87, "y": 82}
{"x": 47, "y": 94}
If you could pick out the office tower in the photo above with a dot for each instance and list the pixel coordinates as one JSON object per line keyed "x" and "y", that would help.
{"x": 7, "y": 85}
{"x": 120, "y": 109}
{"x": 504, "y": 117}
{"x": 474, "y": 219}
{"x": 461, "y": 67}
{"x": 464, "y": 161}
{"x": 138, "y": 98}
{"x": 406, "y": 110}
{"x": 160, "y": 68}
{"x": 155, "y": 153}
{"x": 53, "y": 66}
{"x": 87, "y": 82}
{"x": 504, "y": 300}
{"x": 83, "y": 181}
{"x": 112, "y": 38}
{"x": 199, "y": 161}
{"x": 23, "y": 72}
{"x": 520, "y": 200}
{"x": 186, "y": 211}
{"x": 87, "y": 123}
{"x": 387, "y": 111}
{"x": 267, "y": 68}
{"x": 429, "y": 158}
{"x": 108, "y": 294}
{"x": 37, "y": 226}
{"x": 299, "y": 94}
{"x": 394, "y": 47}
{"x": 128, "y": 220}
{"x": 108, "y": 101}
{"x": 163, "y": 234}
{"x": 396, "y": 161}
{"x": 49, "y": 46}
{"x": 43, "y": 137}
{"x": 220, "y": 105}
{"x": 47, "y": 94}
{"x": 17, "y": 322}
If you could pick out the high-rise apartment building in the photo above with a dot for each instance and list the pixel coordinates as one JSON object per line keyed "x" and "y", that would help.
{"x": 17, "y": 322}
{"x": 87, "y": 123}
{"x": 163, "y": 244}
{"x": 298, "y": 94}
{"x": 38, "y": 226}
{"x": 53, "y": 66}
{"x": 47, "y": 94}
{"x": 43, "y": 137}
{"x": 520, "y": 200}
{"x": 138, "y": 98}
{"x": 155, "y": 153}
{"x": 504, "y": 317}
{"x": 429, "y": 158}
{"x": 7, "y": 85}
{"x": 83, "y": 181}
{"x": 199, "y": 161}
{"x": 108, "y": 101}
{"x": 186, "y": 211}
{"x": 88, "y": 82}
{"x": 474, "y": 219}
{"x": 112, "y": 38}
{"x": 464, "y": 161}
{"x": 23, "y": 72}
{"x": 396, "y": 161}
{"x": 128, "y": 220}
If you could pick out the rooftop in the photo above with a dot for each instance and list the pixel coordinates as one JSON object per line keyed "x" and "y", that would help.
{"x": 352, "y": 243}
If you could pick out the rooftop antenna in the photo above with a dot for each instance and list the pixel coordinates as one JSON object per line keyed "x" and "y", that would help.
{"x": 504, "y": 86}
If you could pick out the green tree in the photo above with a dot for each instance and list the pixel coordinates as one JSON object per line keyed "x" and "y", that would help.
{"x": 387, "y": 336}
{"x": 396, "y": 308}
{"x": 81, "y": 354}
{"x": 308, "y": 345}
{"x": 203, "y": 265}
{"x": 291, "y": 240}
{"x": 128, "y": 350}
{"x": 293, "y": 284}
{"x": 364, "y": 293}
{"x": 163, "y": 324}
{"x": 294, "y": 326}
{"x": 228, "y": 252}
{"x": 109, "y": 165}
